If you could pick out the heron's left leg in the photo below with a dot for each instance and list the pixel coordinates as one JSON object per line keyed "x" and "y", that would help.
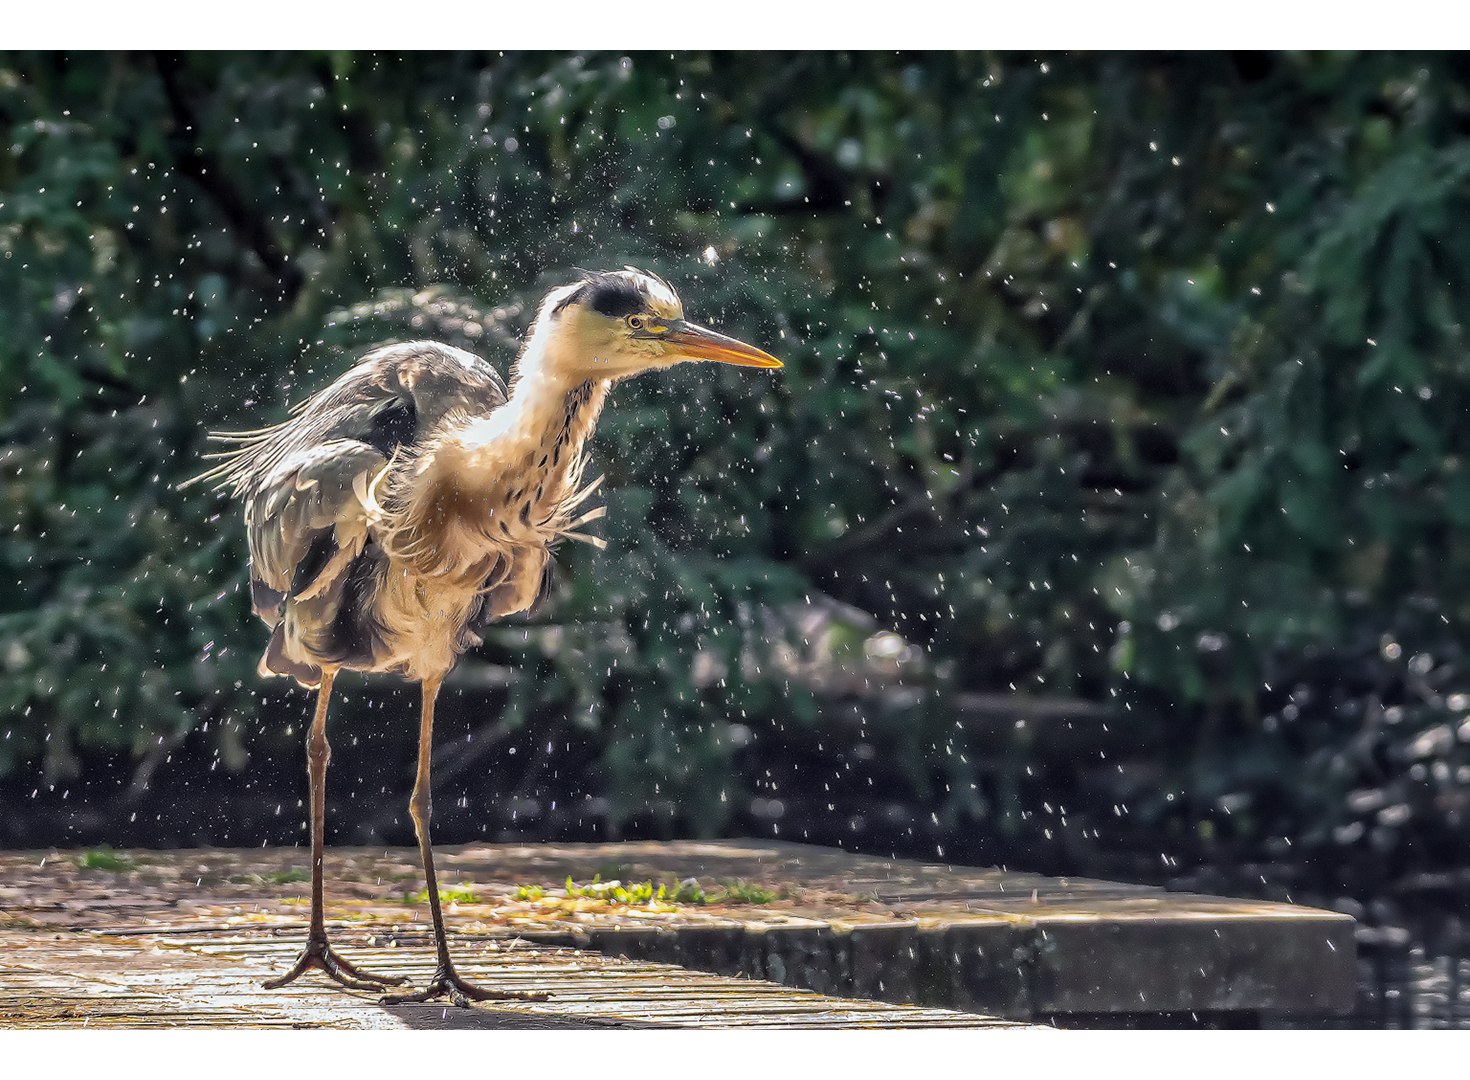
{"x": 317, "y": 953}
{"x": 446, "y": 982}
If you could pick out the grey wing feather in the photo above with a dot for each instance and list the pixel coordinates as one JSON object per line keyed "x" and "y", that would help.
{"x": 298, "y": 476}
{"x": 308, "y": 494}
{"x": 384, "y": 401}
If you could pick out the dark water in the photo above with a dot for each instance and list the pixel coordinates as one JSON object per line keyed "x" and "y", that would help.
{"x": 1414, "y": 974}
{"x": 1413, "y": 938}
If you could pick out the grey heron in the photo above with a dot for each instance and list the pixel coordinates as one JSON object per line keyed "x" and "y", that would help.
{"x": 415, "y": 500}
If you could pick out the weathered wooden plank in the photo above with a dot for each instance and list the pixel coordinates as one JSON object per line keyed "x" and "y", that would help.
{"x": 75, "y": 980}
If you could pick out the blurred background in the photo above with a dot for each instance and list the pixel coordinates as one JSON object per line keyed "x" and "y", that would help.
{"x": 1109, "y": 517}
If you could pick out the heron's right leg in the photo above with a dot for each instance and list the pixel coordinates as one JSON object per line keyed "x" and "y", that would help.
{"x": 447, "y": 982}
{"x": 318, "y": 954}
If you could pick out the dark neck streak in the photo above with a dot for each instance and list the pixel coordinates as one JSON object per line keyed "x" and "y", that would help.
{"x": 558, "y": 461}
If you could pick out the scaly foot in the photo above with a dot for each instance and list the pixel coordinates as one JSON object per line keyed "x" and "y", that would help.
{"x": 447, "y": 983}
{"x": 318, "y": 954}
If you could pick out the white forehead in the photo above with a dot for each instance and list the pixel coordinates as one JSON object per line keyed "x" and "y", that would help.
{"x": 662, "y": 299}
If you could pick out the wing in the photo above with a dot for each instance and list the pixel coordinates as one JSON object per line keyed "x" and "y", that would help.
{"x": 386, "y": 400}
{"x": 304, "y": 479}
{"x": 307, "y": 529}
{"x": 306, "y": 484}
{"x": 305, "y": 521}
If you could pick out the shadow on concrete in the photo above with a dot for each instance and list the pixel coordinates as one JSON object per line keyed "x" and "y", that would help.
{"x": 435, "y": 1016}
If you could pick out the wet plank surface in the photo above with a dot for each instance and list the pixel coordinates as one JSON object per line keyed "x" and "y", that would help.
{"x": 80, "y": 979}
{"x": 847, "y": 926}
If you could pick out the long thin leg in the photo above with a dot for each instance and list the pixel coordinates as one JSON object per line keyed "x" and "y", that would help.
{"x": 447, "y": 982}
{"x": 318, "y": 954}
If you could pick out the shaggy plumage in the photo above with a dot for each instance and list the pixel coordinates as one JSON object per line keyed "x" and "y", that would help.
{"x": 415, "y": 500}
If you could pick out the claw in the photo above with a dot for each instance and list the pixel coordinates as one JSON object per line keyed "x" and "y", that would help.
{"x": 448, "y": 983}
{"x": 318, "y": 954}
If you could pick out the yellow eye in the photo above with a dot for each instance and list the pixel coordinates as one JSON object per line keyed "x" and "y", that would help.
{"x": 635, "y": 322}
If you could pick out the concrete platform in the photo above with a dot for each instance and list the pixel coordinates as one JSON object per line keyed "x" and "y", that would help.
{"x": 851, "y": 928}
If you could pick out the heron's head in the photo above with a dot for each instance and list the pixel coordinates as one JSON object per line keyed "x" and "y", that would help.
{"x": 615, "y": 324}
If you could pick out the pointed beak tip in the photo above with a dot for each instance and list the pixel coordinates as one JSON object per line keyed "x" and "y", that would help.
{"x": 700, "y": 343}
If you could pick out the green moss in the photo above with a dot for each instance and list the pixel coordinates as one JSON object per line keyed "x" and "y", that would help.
{"x": 744, "y": 892}
{"x": 459, "y": 894}
{"x": 688, "y": 891}
{"x": 104, "y": 858}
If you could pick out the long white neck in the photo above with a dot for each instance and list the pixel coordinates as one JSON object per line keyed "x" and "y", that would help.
{"x": 506, "y": 477}
{"x": 553, "y": 406}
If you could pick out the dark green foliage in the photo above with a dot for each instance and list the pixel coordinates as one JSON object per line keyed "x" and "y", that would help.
{"x": 1120, "y": 376}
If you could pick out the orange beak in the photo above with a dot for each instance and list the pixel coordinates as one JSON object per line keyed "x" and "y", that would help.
{"x": 687, "y": 340}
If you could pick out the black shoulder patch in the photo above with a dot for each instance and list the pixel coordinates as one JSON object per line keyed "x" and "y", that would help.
{"x": 392, "y": 426}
